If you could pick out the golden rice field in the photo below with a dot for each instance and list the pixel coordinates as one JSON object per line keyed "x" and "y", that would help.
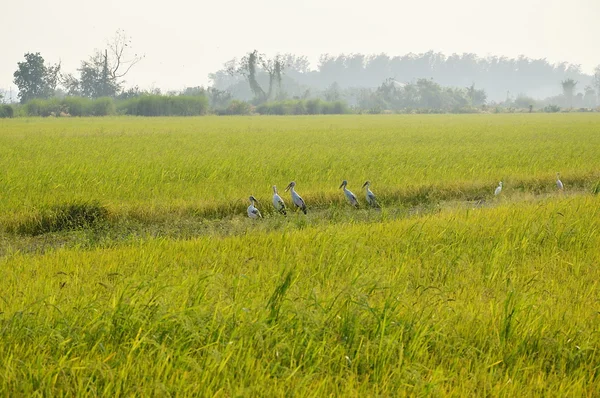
{"x": 130, "y": 268}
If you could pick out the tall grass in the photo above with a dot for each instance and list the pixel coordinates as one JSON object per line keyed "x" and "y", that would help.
{"x": 500, "y": 301}
{"x": 129, "y": 266}
{"x": 213, "y": 164}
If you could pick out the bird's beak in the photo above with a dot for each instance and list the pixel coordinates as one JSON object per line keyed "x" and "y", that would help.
{"x": 342, "y": 185}
{"x": 288, "y": 187}
{"x": 365, "y": 184}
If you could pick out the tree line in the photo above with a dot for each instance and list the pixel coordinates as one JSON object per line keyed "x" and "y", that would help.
{"x": 354, "y": 77}
{"x": 287, "y": 84}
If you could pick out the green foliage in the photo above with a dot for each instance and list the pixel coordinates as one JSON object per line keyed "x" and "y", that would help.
{"x": 524, "y": 102}
{"x": 6, "y": 111}
{"x": 236, "y": 107}
{"x": 165, "y": 105}
{"x": 552, "y": 108}
{"x": 303, "y": 107}
{"x": 44, "y": 108}
{"x": 70, "y": 106}
{"x": 34, "y": 79}
{"x": 424, "y": 96}
{"x": 101, "y": 107}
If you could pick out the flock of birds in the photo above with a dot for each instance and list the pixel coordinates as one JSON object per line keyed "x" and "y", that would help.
{"x": 297, "y": 200}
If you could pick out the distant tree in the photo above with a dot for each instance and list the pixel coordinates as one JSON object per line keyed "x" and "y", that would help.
{"x": 102, "y": 74}
{"x": 596, "y": 82}
{"x": 333, "y": 92}
{"x": 251, "y": 65}
{"x": 523, "y": 101}
{"x": 568, "y": 87}
{"x": 34, "y": 79}
{"x": 589, "y": 98}
{"x": 477, "y": 97}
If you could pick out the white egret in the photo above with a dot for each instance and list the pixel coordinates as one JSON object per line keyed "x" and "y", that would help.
{"x": 498, "y": 189}
{"x": 349, "y": 195}
{"x": 253, "y": 212}
{"x": 278, "y": 202}
{"x": 559, "y": 183}
{"x": 371, "y": 199}
{"x": 298, "y": 201}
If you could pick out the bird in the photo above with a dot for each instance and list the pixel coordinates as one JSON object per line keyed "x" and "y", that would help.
{"x": 349, "y": 195}
{"x": 298, "y": 201}
{"x": 559, "y": 183}
{"x": 371, "y": 199}
{"x": 278, "y": 202}
{"x": 253, "y": 212}
{"x": 498, "y": 189}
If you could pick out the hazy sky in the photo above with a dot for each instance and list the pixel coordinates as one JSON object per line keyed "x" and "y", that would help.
{"x": 185, "y": 40}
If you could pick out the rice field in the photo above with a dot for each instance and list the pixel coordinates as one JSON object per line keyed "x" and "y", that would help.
{"x": 130, "y": 266}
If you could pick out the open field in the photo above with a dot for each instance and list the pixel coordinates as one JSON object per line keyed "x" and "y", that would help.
{"x": 129, "y": 266}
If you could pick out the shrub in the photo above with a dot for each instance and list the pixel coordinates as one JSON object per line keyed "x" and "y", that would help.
{"x": 303, "y": 107}
{"x": 101, "y": 107}
{"x": 45, "y": 108}
{"x": 165, "y": 105}
{"x": 552, "y": 108}
{"x": 313, "y": 106}
{"x": 73, "y": 106}
{"x": 6, "y": 111}
{"x": 236, "y": 107}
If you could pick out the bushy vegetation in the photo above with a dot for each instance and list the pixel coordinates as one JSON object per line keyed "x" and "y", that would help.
{"x": 235, "y": 107}
{"x": 303, "y": 107}
{"x": 70, "y": 106}
{"x": 165, "y": 105}
{"x": 147, "y": 273}
{"x": 6, "y": 111}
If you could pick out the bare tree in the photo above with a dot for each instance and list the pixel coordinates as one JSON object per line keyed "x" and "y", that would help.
{"x": 568, "y": 87}
{"x": 597, "y": 82}
{"x": 251, "y": 65}
{"x": 102, "y": 74}
{"x": 120, "y": 61}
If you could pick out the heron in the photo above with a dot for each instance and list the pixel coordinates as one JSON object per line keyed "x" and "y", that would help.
{"x": 371, "y": 199}
{"x": 298, "y": 201}
{"x": 498, "y": 189}
{"x": 253, "y": 212}
{"x": 559, "y": 183}
{"x": 349, "y": 195}
{"x": 278, "y": 202}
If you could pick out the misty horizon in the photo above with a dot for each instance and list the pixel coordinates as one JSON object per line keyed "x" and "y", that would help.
{"x": 186, "y": 41}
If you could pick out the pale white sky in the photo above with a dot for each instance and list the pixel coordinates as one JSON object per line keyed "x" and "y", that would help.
{"x": 185, "y": 40}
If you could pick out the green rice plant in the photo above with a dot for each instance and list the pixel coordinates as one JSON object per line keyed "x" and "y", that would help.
{"x": 129, "y": 265}
{"x": 58, "y": 218}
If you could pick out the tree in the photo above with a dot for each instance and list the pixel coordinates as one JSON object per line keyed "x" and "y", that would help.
{"x": 34, "y": 79}
{"x": 477, "y": 97}
{"x": 568, "y": 87}
{"x": 332, "y": 93}
{"x": 251, "y": 65}
{"x": 102, "y": 74}
{"x": 589, "y": 98}
{"x": 597, "y": 82}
